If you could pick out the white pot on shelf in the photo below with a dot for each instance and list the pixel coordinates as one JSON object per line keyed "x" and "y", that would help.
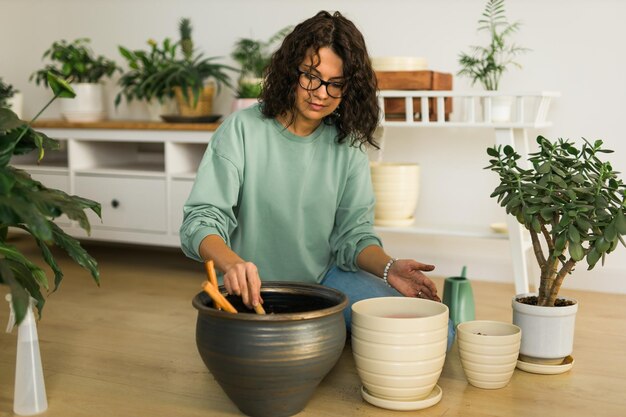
{"x": 157, "y": 108}
{"x": 396, "y": 189}
{"x": 500, "y": 108}
{"x": 547, "y": 332}
{"x": 243, "y": 103}
{"x": 87, "y": 106}
{"x": 16, "y": 104}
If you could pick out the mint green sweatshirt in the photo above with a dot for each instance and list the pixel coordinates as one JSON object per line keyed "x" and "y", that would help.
{"x": 294, "y": 206}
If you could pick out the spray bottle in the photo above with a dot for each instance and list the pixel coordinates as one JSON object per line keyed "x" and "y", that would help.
{"x": 30, "y": 391}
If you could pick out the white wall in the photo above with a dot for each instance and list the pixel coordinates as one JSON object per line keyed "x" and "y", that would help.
{"x": 577, "y": 49}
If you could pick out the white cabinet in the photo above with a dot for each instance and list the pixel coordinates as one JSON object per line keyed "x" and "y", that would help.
{"x": 128, "y": 203}
{"x": 141, "y": 174}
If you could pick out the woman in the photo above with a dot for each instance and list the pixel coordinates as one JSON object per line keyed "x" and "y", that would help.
{"x": 284, "y": 190}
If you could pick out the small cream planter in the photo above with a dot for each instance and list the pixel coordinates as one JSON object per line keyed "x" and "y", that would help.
{"x": 547, "y": 332}
{"x": 396, "y": 189}
{"x": 488, "y": 351}
{"x": 399, "y": 347}
{"x": 87, "y": 106}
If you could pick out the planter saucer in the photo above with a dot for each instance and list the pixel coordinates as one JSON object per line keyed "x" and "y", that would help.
{"x": 536, "y": 368}
{"x": 433, "y": 398}
{"x": 394, "y": 222}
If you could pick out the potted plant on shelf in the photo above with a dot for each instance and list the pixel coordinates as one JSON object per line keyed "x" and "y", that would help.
{"x": 193, "y": 79}
{"x": 138, "y": 82}
{"x": 486, "y": 64}
{"x": 76, "y": 63}
{"x": 575, "y": 204}
{"x": 10, "y": 98}
{"x": 253, "y": 56}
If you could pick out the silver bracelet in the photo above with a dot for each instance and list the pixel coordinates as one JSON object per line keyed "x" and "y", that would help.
{"x": 386, "y": 271}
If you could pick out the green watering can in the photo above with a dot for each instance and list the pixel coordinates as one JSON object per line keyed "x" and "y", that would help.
{"x": 458, "y": 296}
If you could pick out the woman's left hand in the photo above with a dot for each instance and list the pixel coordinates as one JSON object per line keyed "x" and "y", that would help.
{"x": 406, "y": 276}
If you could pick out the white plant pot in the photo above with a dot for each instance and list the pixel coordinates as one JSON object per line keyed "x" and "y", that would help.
{"x": 16, "y": 103}
{"x": 547, "y": 332}
{"x": 243, "y": 103}
{"x": 501, "y": 109}
{"x": 396, "y": 189}
{"x": 399, "y": 346}
{"x": 157, "y": 108}
{"x": 87, "y": 106}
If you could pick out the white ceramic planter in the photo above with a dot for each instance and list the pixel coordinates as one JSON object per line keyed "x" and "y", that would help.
{"x": 501, "y": 108}
{"x": 87, "y": 106}
{"x": 488, "y": 352}
{"x": 16, "y": 103}
{"x": 242, "y": 103}
{"x": 157, "y": 108}
{"x": 396, "y": 189}
{"x": 547, "y": 332}
{"x": 399, "y": 346}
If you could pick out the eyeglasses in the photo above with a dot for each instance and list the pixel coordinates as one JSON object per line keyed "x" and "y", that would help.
{"x": 311, "y": 82}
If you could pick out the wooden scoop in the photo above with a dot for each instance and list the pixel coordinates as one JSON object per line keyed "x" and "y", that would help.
{"x": 210, "y": 287}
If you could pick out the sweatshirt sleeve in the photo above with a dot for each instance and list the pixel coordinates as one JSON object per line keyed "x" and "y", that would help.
{"x": 212, "y": 203}
{"x": 354, "y": 219}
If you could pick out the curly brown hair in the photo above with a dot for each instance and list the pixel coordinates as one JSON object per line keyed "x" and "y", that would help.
{"x": 358, "y": 112}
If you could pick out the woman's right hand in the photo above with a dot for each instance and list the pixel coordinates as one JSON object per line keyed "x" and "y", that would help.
{"x": 242, "y": 278}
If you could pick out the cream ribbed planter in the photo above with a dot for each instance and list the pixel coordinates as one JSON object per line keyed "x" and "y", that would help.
{"x": 87, "y": 106}
{"x": 396, "y": 189}
{"x": 488, "y": 352}
{"x": 399, "y": 346}
{"x": 547, "y": 332}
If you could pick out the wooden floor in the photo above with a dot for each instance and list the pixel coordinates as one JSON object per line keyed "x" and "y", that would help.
{"x": 127, "y": 349}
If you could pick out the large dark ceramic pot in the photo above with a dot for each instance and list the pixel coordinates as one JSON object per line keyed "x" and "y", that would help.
{"x": 269, "y": 365}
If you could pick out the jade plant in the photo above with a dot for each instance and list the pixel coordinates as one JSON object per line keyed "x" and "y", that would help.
{"x": 28, "y": 205}
{"x": 569, "y": 199}
{"x": 75, "y": 62}
{"x": 486, "y": 64}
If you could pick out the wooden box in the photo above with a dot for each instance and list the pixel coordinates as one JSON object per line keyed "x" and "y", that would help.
{"x": 414, "y": 80}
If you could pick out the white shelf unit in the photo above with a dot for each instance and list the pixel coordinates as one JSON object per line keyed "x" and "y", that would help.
{"x": 474, "y": 110}
{"x": 141, "y": 177}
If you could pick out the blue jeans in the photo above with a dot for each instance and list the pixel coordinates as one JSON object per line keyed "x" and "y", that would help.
{"x": 361, "y": 285}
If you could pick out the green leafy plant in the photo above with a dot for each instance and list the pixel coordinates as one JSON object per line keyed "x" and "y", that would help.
{"x": 569, "y": 198}
{"x": 253, "y": 56}
{"x": 191, "y": 71}
{"x": 486, "y": 64}
{"x": 75, "y": 62}
{"x": 6, "y": 92}
{"x": 28, "y": 205}
{"x": 140, "y": 81}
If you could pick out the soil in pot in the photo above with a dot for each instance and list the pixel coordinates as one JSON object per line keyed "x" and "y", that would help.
{"x": 532, "y": 300}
